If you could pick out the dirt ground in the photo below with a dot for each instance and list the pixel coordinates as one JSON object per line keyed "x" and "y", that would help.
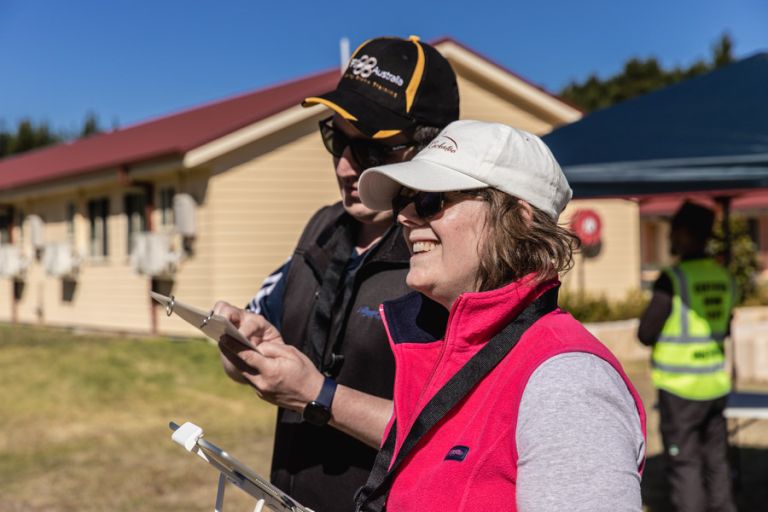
{"x": 749, "y": 454}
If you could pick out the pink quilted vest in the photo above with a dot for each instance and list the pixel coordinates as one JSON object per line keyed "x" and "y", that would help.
{"x": 468, "y": 461}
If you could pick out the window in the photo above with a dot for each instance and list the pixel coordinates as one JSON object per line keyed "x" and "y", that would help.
{"x": 135, "y": 204}
{"x": 166, "y": 206}
{"x": 71, "y": 222}
{"x": 6, "y": 224}
{"x": 649, "y": 243}
{"x": 20, "y": 223}
{"x": 98, "y": 213}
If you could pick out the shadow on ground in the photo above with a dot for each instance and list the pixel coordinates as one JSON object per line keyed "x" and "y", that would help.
{"x": 750, "y": 483}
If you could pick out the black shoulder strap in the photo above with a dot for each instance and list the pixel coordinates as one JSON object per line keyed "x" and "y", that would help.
{"x": 372, "y": 497}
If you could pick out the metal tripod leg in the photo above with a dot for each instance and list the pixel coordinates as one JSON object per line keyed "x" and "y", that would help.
{"x": 220, "y": 493}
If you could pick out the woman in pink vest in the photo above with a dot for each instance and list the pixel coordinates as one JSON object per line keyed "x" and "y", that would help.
{"x": 502, "y": 400}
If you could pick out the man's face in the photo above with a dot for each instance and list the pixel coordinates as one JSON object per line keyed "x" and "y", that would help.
{"x": 348, "y": 171}
{"x": 682, "y": 242}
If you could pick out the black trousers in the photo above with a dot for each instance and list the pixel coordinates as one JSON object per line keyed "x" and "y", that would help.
{"x": 695, "y": 436}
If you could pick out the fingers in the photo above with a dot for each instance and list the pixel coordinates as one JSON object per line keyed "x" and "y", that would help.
{"x": 223, "y": 308}
{"x": 230, "y": 312}
{"x": 267, "y": 357}
{"x": 256, "y": 326}
{"x": 235, "y": 368}
{"x": 281, "y": 373}
{"x": 234, "y": 349}
{"x": 276, "y": 349}
{"x": 244, "y": 366}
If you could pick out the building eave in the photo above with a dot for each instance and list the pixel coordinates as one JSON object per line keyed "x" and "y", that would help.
{"x": 512, "y": 87}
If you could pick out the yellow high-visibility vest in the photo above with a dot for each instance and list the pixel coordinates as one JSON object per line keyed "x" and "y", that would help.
{"x": 689, "y": 358}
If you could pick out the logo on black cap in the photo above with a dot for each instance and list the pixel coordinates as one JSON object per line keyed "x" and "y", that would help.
{"x": 394, "y": 84}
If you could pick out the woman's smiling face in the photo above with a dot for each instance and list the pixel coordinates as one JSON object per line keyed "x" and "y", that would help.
{"x": 445, "y": 249}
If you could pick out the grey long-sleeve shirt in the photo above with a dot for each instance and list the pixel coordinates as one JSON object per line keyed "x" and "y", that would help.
{"x": 579, "y": 439}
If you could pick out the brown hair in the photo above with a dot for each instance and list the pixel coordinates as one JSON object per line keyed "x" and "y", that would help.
{"x": 423, "y": 135}
{"x": 516, "y": 245}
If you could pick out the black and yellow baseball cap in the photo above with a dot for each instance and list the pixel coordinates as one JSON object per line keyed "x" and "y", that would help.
{"x": 392, "y": 84}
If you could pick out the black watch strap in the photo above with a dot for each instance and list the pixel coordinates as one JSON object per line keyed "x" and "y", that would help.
{"x": 318, "y": 411}
{"x": 327, "y": 392}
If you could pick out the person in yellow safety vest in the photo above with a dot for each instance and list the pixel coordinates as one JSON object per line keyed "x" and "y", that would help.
{"x": 686, "y": 323}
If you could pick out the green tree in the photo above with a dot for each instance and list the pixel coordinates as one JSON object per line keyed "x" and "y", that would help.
{"x": 743, "y": 251}
{"x": 641, "y": 76}
{"x": 29, "y": 136}
{"x": 5, "y": 141}
{"x": 90, "y": 125}
{"x": 722, "y": 51}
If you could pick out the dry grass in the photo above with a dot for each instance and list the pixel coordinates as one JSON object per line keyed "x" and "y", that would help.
{"x": 84, "y": 423}
{"x": 83, "y": 426}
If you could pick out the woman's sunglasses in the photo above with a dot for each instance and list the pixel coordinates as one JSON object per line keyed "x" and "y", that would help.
{"x": 427, "y": 204}
{"x": 367, "y": 153}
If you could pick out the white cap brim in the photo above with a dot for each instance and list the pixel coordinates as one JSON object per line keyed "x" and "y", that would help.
{"x": 379, "y": 185}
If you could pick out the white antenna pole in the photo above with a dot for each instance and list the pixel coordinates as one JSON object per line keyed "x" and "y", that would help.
{"x": 344, "y": 52}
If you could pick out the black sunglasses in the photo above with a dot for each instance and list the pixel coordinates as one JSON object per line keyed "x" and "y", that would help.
{"x": 367, "y": 153}
{"x": 427, "y": 204}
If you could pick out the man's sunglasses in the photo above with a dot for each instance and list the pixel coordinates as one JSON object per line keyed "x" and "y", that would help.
{"x": 367, "y": 153}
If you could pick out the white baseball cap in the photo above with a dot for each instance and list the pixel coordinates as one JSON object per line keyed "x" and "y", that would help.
{"x": 475, "y": 154}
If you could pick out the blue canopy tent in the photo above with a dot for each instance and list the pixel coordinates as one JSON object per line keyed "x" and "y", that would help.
{"x": 707, "y": 134}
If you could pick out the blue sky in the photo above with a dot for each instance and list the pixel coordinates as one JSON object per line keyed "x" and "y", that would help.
{"x": 129, "y": 61}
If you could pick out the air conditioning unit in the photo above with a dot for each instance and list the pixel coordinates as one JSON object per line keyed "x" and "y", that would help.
{"x": 36, "y": 231}
{"x": 152, "y": 255}
{"x": 12, "y": 262}
{"x": 61, "y": 260}
{"x": 184, "y": 207}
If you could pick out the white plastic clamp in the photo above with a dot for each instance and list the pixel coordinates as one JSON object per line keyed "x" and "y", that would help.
{"x": 187, "y": 435}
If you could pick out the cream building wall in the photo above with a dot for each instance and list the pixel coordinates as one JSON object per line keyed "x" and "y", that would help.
{"x": 477, "y": 102}
{"x": 106, "y": 294}
{"x": 257, "y": 201}
{"x": 615, "y": 271}
{"x": 259, "y": 198}
{"x": 252, "y": 202}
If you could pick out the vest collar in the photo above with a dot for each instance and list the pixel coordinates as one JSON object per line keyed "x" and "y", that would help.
{"x": 474, "y": 318}
{"x": 391, "y": 247}
{"x": 340, "y": 232}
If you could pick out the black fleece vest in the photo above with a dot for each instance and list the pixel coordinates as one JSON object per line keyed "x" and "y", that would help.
{"x": 333, "y": 317}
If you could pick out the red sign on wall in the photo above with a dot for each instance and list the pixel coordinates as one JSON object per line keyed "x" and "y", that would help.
{"x": 587, "y": 226}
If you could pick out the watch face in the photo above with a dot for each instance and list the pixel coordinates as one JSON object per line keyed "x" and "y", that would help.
{"x": 316, "y": 414}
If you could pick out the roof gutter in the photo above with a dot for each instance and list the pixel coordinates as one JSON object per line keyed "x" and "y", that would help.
{"x": 208, "y": 152}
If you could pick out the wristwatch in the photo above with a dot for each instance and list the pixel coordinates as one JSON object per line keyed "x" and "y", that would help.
{"x": 318, "y": 411}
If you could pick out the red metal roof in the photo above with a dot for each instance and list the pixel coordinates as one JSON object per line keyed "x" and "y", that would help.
{"x": 748, "y": 200}
{"x": 171, "y": 135}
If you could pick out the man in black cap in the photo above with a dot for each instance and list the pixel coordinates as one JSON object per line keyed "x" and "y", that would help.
{"x": 686, "y": 323}
{"x": 333, "y": 376}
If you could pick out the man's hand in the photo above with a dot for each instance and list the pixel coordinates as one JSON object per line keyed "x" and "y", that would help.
{"x": 254, "y": 327}
{"x": 280, "y": 373}
{"x": 284, "y": 376}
